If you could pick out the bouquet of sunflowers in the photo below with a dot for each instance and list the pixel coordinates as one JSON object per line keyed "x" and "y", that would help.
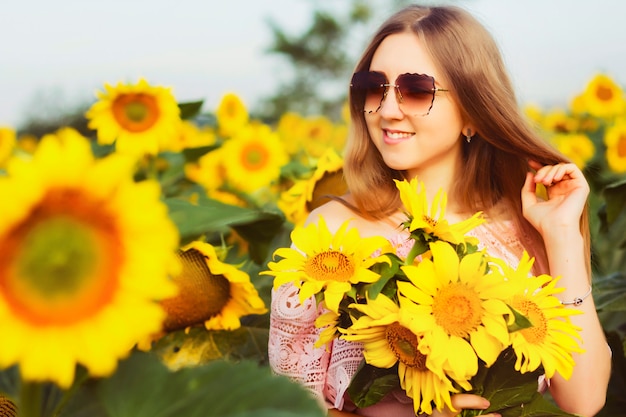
{"x": 437, "y": 318}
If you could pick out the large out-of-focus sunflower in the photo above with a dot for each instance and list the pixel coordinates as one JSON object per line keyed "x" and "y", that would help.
{"x": 615, "y": 140}
{"x": 552, "y": 338}
{"x": 210, "y": 292}
{"x": 603, "y": 97}
{"x": 330, "y": 262}
{"x": 138, "y": 118}
{"x": 232, "y": 115}
{"x": 460, "y": 309}
{"x": 7, "y": 144}
{"x": 433, "y": 222}
{"x": 384, "y": 330}
{"x": 85, "y": 255}
{"x": 307, "y": 194}
{"x": 255, "y": 156}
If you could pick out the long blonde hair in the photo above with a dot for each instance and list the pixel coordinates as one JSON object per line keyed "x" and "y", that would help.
{"x": 495, "y": 162}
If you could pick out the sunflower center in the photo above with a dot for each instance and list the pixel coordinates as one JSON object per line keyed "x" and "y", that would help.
{"x": 60, "y": 265}
{"x": 604, "y": 93}
{"x": 403, "y": 343}
{"x": 254, "y": 157}
{"x": 330, "y": 265}
{"x": 621, "y": 146}
{"x": 537, "y": 333}
{"x": 457, "y": 309}
{"x": 135, "y": 112}
{"x": 201, "y": 295}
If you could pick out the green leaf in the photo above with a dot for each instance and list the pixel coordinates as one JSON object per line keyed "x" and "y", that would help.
{"x": 211, "y": 216}
{"x": 143, "y": 387}
{"x": 370, "y": 384}
{"x": 386, "y": 272}
{"x": 193, "y": 154}
{"x": 190, "y": 109}
{"x": 609, "y": 292}
{"x": 521, "y": 321}
{"x": 615, "y": 196}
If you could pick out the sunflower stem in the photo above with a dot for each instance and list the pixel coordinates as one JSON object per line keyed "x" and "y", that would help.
{"x": 30, "y": 399}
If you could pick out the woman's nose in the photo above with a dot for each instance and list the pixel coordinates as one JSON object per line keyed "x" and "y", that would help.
{"x": 390, "y": 107}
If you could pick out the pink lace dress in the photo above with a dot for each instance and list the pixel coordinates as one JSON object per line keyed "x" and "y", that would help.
{"x": 327, "y": 373}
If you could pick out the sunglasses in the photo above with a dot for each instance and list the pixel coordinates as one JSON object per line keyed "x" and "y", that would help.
{"x": 415, "y": 93}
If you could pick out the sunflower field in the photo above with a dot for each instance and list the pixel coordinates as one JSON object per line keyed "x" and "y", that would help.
{"x": 132, "y": 257}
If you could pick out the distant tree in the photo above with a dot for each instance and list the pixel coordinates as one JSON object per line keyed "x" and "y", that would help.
{"x": 321, "y": 57}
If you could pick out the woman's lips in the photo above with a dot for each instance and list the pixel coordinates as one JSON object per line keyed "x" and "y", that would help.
{"x": 391, "y": 137}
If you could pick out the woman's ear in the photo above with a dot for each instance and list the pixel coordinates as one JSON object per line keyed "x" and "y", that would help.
{"x": 468, "y": 132}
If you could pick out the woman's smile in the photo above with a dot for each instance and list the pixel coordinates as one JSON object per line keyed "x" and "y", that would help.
{"x": 391, "y": 137}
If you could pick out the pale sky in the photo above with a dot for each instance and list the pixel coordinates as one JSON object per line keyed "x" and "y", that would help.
{"x": 60, "y": 52}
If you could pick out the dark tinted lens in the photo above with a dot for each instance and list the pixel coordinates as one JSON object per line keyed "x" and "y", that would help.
{"x": 367, "y": 89}
{"x": 417, "y": 91}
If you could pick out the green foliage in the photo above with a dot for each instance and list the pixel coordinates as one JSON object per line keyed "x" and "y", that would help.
{"x": 219, "y": 388}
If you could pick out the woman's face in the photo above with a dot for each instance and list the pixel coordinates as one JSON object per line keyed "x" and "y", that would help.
{"x": 426, "y": 146}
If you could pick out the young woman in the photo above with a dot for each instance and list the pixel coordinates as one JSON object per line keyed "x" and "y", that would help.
{"x": 468, "y": 138}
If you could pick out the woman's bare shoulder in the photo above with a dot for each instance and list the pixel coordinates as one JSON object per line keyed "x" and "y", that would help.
{"x": 334, "y": 214}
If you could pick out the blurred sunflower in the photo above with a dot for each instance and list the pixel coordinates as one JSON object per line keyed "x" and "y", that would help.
{"x": 290, "y": 132}
{"x": 208, "y": 170}
{"x": 307, "y": 194}
{"x": 460, "y": 312}
{"x": 413, "y": 196}
{"x": 191, "y": 136}
{"x": 7, "y": 143}
{"x": 231, "y": 114}
{"x": 85, "y": 254}
{"x": 317, "y": 135}
{"x": 255, "y": 156}
{"x": 603, "y": 97}
{"x": 615, "y": 141}
{"x": 138, "y": 118}
{"x": 576, "y": 146}
{"x": 388, "y": 340}
{"x": 320, "y": 260}
{"x": 210, "y": 292}
{"x": 552, "y": 338}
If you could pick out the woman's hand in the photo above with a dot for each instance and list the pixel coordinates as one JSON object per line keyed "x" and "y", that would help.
{"x": 465, "y": 401}
{"x": 567, "y": 196}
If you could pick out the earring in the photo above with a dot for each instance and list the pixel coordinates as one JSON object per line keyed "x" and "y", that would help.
{"x": 468, "y": 136}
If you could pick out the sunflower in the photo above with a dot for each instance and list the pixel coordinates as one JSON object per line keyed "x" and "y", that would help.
{"x": 320, "y": 261}
{"x": 255, "y": 157}
{"x": 290, "y": 132}
{"x": 7, "y": 143}
{"x": 615, "y": 140}
{"x": 231, "y": 114}
{"x": 210, "y": 292}
{"x": 85, "y": 255}
{"x": 413, "y": 196}
{"x": 191, "y": 136}
{"x": 385, "y": 331}
{"x": 307, "y": 194}
{"x": 208, "y": 170}
{"x": 552, "y": 338}
{"x": 576, "y": 146}
{"x": 459, "y": 309}
{"x": 138, "y": 118}
{"x": 603, "y": 97}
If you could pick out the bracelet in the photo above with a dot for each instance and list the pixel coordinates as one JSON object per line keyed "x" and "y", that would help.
{"x": 578, "y": 300}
